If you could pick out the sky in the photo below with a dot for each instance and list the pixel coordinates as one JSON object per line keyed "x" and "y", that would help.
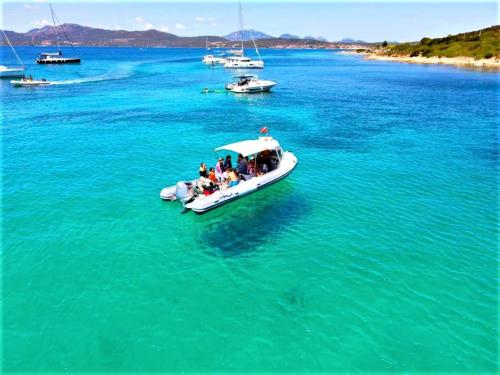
{"x": 371, "y": 21}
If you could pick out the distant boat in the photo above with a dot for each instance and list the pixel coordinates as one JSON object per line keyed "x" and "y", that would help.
{"x": 248, "y": 84}
{"x": 239, "y": 60}
{"x": 30, "y": 82}
{"x": 211, "y": 59}
{"x": 12, "y": 72}
{"x": 56, "y": 57}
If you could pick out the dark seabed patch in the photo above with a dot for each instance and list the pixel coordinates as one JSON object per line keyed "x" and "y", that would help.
{"x": 247, "y": 225}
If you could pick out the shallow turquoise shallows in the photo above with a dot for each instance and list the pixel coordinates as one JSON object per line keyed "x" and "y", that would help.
{"x": 377, "y": 254}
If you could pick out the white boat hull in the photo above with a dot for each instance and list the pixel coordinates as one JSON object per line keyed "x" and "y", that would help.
{"x": 212, "y": 60}
{"x": 203, "y": 204}
{"x": 244, "y": 65}
{"x": 252, "y": 87}
{"x": 11, "y": 72}
{"x": 30, "y": 83}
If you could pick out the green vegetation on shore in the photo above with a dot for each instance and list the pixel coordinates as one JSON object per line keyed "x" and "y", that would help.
{"x": 481, "y": 44}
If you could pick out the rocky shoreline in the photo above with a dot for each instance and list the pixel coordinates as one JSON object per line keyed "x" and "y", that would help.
{"x": 492, "y": 63}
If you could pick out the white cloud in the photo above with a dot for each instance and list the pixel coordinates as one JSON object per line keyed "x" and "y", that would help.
{"x": 139, "y": 19}
{"x": 199, "y": 19}
{"x": 148, "y": 26}
{"x": 210, "y": 18}
{"x": 179, "y": 26}
{"x": 118, "y": 27}
{"x": 214, "y": 24}
{"x": 43, "y": 22}
{"x": 165, "y": 29}
{"x": 31, "y": 7}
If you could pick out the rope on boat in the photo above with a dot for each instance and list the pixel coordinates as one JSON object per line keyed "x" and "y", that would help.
{"x": 13, "y": 50}
{"x": 54, "y": 16}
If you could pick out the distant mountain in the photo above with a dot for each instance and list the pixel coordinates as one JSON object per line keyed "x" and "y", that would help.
{"x": 247, "y": 35}
{"x": 351, "y": 41}
{"x": 318, "y": 38}
{"x": 289, "y": 36}
{"x": 89, "y": 36}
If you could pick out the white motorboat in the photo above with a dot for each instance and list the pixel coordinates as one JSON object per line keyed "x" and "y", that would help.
{"x": 26, "y": 82}
{"x": 248, "y": 84}
{"x": 265, "y": 153}
{"x": 57, "y": 57}
{"x": 8, "y": 72}
{"x": 239, "y": 60}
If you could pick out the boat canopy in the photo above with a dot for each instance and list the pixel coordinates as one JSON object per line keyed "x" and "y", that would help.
{"x": 50, "y": 54}
{"x": 251, "y": 147}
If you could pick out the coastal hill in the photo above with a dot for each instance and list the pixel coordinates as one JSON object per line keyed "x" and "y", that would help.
{"x": 481, "y": 44}
{"x": 90, "y": 36}
{"x": 246, "y": 35}
{"x": 477, "y": 49}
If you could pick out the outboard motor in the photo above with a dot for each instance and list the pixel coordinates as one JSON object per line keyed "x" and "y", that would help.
{"x": 184, "y": 191}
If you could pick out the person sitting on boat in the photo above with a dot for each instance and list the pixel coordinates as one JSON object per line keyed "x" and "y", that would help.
{"x": 251, "y": 167}
{"x": 242, "y": 165}
{"x": 203, "y": 170}
{"x": 233, "y": 177}
{"x": 227, "y": 164}
{"x": 212, "y": 177}
{"x": 219, "y": 169}
{"x": 31, "y": 78}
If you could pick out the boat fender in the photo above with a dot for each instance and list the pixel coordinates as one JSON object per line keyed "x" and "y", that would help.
{"x": 183, "y": 191}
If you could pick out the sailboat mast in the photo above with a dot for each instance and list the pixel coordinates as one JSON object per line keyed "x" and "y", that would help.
{"x": 55, "y": 28}
{"x": 241, "y": 27}
{"x": 13, "y": 50}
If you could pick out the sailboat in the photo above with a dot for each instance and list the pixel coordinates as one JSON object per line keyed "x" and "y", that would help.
{"x": 6, "y": 72}
{"x": 57, "y": 57}
{"x": 239, "y": 60}
{"x": 211, "y": 59}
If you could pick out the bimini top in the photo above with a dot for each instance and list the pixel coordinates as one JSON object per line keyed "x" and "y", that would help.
{"x": 51, "y": 54}
{"x": 251, "y": 147}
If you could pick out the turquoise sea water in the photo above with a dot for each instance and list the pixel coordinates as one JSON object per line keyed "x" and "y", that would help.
{"x": 377, "y": 254}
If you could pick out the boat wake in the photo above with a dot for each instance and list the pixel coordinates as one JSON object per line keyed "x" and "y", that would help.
{"x": 123, "y": 72}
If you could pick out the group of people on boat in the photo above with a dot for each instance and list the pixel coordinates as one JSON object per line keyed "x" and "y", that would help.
{"x": 224, "y": 175}
{"x": 30, "y": 79}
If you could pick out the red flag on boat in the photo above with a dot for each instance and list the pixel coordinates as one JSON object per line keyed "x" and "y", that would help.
{"x": 264, "y": 130}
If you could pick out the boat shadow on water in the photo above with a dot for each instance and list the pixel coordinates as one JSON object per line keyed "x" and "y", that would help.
{"x": 248, "y": 225}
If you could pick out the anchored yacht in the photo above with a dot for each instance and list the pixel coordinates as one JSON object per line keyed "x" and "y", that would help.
{"x": 239, "y": 60}
{"x": 211, "y": 59}
{"x": 265, "y": 162}
{"x": 249, "y": 84}
{"x": 56, "y": 57}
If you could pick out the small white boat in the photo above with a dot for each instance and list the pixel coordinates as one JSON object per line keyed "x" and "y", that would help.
{"x": 6, "y": 72}
{"x": 248, "y": 84}
{"x": 26, "y": 82}
{"x": 264, "y": 152}
{"x": 213, "y": 60}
